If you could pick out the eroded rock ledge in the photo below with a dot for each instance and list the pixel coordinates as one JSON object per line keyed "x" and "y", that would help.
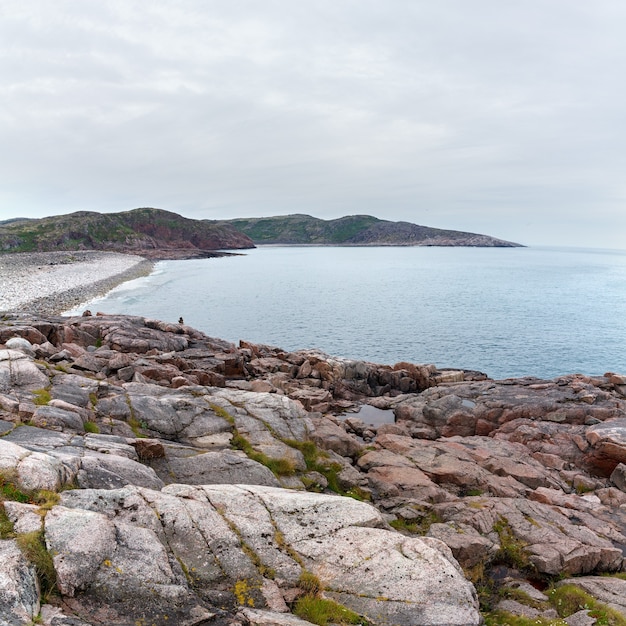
{"x": 201, "y": 482}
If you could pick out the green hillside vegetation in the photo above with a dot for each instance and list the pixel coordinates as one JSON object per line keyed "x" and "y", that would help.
{"x": 129, "y": 231}
{"x": 162, "y": 234}
{"x": 303, "y": 229}
{"x": 354, "y": 230}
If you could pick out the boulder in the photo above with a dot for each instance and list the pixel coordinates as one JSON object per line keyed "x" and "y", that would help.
{"x": 226, "y": 466}
{"x": 18, "y": 371}
{"x": 256, "y": 617}
{"x": 386, "y": 577}
{"x": 94, "y": 553}
{"x": 554, "y": 539}
{"x": 32, "y": 335}
{"x": 21, "y": 344}
{"x": 54, "y": 418}
{"x": 329, "y": 436}
{"x": 608, "y": 441}
{"x": 618, "y": 477}
{"x": 34, "y": 470}
{"x": 481, "y": 407}
{"x": 138, "y": 544}
{"x": 19, "y": 590}
{"x": 108, "y": 471}
{"x": 26, "y": 518}
{"x": 468, "y": 546}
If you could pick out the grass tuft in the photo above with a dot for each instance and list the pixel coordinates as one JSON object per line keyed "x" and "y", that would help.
{"x": 222, "y": 412}
{"x": 42, "y": 397}
{"x": 569, "y": 599}
{"x": 91, "y": 427}
{"x": 504, "y": 618}
{"x": 279, "y": 467}
{"x": 317, "y": 461}
{"x": 418, "y": 526}
{"x": 33, "y": 547}
{"x": 7, "y": 530}
{"x": 9, "y": 489}
{"x": 310, "y": 583}
{"x": 323, "y": 612}
{"x": 243, "y": 591}
{"x": 512, "y": 551}
{"x": 45, "y": 499}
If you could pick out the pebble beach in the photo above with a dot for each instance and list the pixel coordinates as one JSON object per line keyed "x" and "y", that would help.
{"x": 53, "y": 282}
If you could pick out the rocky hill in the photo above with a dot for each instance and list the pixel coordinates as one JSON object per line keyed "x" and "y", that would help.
{"x": 155, "y": 233}
{"x": 150, "y": 232}
{"x": 357, "y": 230}
{"x": 150, "y": 474}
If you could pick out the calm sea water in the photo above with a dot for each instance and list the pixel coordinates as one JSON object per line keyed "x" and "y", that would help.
{"x": 504, "y": 311}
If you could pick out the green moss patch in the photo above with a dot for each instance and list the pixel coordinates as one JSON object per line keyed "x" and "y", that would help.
{"x": 323, "y": 612}
{"x": 569, "y": 599}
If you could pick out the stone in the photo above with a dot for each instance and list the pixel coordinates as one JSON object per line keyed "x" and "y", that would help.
{"x": 618, "y": 477}
{"x": 608, "y": 441}
{"x": 42, "y": 471}
{"x": 330, "y": 436}
{"x": 173, "y": 414}
{"x": 225, "y": 467}
{"x": 555, "y": 539}
{"x": 517, "y": 608}
{"x": 25, "y": 517}
{"x": 32, "y": 335}
{"x": 54, "y": 616}
{"x": 361, "y": 565}
{"x": 131, "y": 531}
{"x": 468, "y": 546}
{"x": 108, "y": 471}
{"x": 148, "y": 449}
{"x": 19, "y": 590}
{"x": 256, "y": 617}
{"x": 21, "y": 344}
{"x": 36, "y": 439}
{"x": 11, "y": 454}
{"x": 110, "y": 444}
{"x": 92, "y": 552}
{"x": 54, "y": 418}
{"x": 409, "y": 481}
{"x": 580, "y": 618}
{"x": 18, "y": 370}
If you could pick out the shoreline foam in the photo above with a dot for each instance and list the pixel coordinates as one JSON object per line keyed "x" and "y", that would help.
{"x": 53, "y": 282}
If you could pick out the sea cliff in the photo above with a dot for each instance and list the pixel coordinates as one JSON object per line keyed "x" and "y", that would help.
{"x": 152, "y": 474}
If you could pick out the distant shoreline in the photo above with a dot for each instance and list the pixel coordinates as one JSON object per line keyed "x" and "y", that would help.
{"x": 379, "y": 244}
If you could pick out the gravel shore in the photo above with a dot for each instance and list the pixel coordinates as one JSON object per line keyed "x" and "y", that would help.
{"x": 52, "y": 282}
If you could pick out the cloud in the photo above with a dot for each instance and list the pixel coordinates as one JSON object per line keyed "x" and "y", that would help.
{"x": 488, "y": 116}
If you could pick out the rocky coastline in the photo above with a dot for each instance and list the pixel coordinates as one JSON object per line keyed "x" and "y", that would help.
{"x": 152, "y": 474}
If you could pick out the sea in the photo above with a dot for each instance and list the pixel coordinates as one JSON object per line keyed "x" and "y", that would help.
{"x": 507, "y": 312}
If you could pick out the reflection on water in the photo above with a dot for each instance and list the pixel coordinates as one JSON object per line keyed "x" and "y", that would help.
{"x": 372, "y": 415}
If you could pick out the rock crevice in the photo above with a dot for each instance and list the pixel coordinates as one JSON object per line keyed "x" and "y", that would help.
{"x": 199, "y": 481}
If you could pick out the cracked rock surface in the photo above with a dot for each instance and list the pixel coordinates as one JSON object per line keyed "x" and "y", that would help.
{"x": 175, "y": 478}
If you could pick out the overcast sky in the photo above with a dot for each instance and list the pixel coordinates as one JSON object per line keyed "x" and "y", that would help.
{"x": 503, "y": 117}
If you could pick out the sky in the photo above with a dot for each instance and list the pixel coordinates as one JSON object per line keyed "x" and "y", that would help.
{"x": 493, "y": 116}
